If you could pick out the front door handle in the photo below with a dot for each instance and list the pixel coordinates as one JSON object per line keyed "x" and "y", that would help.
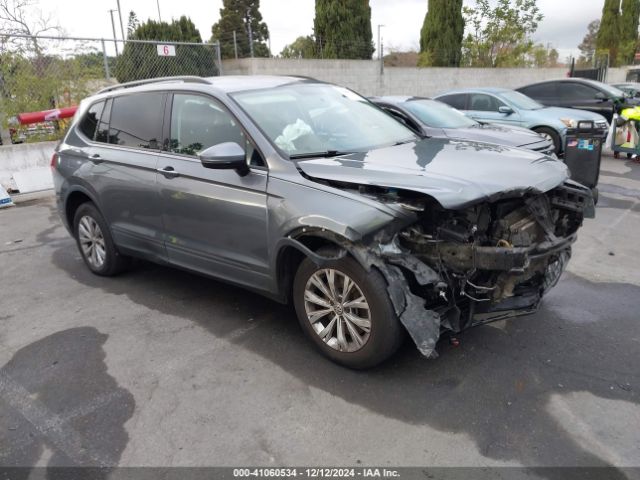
{"x": 168, "y": 172}
{"x": 96, "y": 158}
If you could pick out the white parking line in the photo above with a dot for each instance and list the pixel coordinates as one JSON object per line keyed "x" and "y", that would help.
{"x": 50, "y": 425}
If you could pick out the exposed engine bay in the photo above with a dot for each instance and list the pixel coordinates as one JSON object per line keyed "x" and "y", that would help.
{"x": 454, "y": 269}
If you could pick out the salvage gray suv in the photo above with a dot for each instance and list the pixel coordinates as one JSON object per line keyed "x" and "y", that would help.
{"x": 306, "y": 192}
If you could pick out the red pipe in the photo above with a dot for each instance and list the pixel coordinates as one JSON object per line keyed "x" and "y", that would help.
{"x": 46, "y": 115}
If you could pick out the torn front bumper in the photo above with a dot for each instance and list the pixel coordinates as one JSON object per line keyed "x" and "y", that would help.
{"x": 462, "y": 305}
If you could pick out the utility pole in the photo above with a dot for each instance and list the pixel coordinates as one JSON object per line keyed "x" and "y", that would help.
{"x": 107, "y": 74}
{"x": 235, "y": 45}
{"x": 113, "y": 27}
{"x": 380, "y": 53}
{"x": 121, "y": 24}
{"x": 250, "y": 32}
{"x": 159, "y": 16}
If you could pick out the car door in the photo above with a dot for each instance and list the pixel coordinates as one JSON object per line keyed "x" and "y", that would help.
{"x": 584, "y": 97}
{"x": 215, "y": 221}
{"x": 486, "y": 108}
{"x": 123, "y": 154}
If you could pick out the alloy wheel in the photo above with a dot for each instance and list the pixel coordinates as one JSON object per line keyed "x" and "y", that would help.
{"x": 92, "y": 241}
{"x": 337, "y": 310}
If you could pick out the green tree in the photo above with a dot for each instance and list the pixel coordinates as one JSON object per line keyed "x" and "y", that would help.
{"x": 343, "y": 29}
{"x": 141, "y": 60}
{"x": 133, "y": 23}
{"x": 588, "y": 46}
{"x": 441, "y": 34}
{"x": 301, "y": 47}
{"x": 244, "y": 18}
{"x": 543, "y": 57}
{"x": 629, "y": 31}
{"x": 608, "y": 38}
{"x": 499, "y": 36}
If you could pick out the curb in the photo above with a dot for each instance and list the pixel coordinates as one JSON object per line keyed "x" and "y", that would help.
{"x": 26, "y": 197}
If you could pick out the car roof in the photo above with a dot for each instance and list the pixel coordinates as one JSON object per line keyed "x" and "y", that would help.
{"x": 226, "y": 84}
{"x": 587, "y": 81}
{"x": 494, "y": 90}
{"x": 236, "y": 83}
{"x": 395, "y": 99}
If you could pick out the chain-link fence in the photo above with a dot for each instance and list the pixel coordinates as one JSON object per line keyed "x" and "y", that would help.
{"x": 40, "y": 73}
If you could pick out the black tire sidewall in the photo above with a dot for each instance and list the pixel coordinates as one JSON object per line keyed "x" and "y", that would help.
{"x": 386, "y": 331}
{"x": 111, "y": 264}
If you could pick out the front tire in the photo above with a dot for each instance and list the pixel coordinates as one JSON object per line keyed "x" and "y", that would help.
{"x": 95, "y": 242}
{"x": 552, "y": 135}
{"x": 346, "y": 311}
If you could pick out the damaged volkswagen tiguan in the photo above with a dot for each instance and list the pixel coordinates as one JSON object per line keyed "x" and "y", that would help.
{"x": 308, "y": 193}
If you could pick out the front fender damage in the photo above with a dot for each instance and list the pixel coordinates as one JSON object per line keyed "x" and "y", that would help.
{"x": 423, "y": 325}
{"x": 448, "y": 270}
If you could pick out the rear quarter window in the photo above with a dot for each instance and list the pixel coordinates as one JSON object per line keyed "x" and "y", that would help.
{"x": 90, "y": 119}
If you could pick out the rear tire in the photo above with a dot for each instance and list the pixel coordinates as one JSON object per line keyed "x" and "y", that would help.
{"x": 95, "y": 242}
{"x": 358, "y": 329}
{"x": 552, "y": 135}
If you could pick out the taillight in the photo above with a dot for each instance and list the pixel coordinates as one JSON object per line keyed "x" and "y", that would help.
{"x": 54, "y": 160}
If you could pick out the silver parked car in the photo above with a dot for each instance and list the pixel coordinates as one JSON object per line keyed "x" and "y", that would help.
{"x": 432, "y": 118}
{"x": 509, "y": 107}
{"x": 306, "y": 192}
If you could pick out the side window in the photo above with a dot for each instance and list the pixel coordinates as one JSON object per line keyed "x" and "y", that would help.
{"x": 102, "y": 133}
{"x": 484, "y": 103}
{"x": 90, "y": 120}
{"x": 458, "y": 101}
{"x": 136, "y": 120}
{"x": 576, "y": 91}
{"x": 543, "y": 90}
{"x": 199, "y": 122}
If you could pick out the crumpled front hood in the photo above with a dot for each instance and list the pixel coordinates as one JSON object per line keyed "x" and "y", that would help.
{"x": 493, "y": 133}
{"x": 454, "y": 172}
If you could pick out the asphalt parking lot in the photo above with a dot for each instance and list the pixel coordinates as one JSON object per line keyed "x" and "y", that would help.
{"x": 159, "y": 367}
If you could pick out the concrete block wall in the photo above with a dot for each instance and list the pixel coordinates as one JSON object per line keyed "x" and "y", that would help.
{"x": 359, "y": 75}
{"x": 364, "y": 76}
{"x": 23, "y": 157}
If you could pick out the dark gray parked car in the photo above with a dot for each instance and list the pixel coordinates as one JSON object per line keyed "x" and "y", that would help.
{"x": 432, "y": 118}
{"x": 582, "y": 94}
{"x": 306, "y": 192}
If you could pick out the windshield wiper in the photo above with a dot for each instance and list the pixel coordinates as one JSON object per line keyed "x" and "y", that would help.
{"x": 325, "y": 154}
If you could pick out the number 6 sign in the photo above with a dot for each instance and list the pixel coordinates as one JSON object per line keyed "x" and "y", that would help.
{"x": 166, "y": 50}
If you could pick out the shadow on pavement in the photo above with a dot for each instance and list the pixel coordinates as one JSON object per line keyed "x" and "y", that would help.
{"x": 58, "y": 405}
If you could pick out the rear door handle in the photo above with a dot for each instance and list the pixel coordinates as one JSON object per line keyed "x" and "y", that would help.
{"x": 168, "y": 172}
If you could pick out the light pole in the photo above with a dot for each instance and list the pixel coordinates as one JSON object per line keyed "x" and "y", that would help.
{"x": 158, "y": 4}
{"x": 121, "y": 25}
{"x": 113, "y": 27}
{"x": 380, "y": 53}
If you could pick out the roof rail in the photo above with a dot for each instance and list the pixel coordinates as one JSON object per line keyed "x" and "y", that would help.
{"x": 135, "y": 83}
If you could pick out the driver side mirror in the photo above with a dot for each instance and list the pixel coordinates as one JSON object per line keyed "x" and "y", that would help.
{"x": 601, "y": 96}
{"x": 227, "y": 155}
{"x": 506, "y": 110}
